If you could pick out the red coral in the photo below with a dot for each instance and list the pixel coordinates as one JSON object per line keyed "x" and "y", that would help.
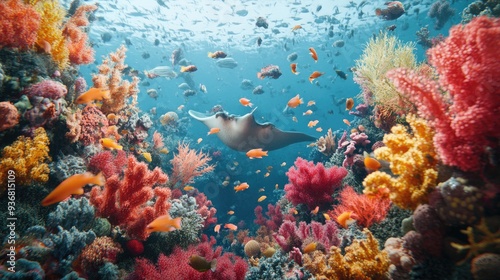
{"x": 275, "y": 217}
{"x": 108, "y": 164}
{"x": 124, "y": 199}
{"x": 10, "y": 115}
{"x": 289, "y": 235}
{"x": 312, "y": 184}
{"x": 94, "y": 124}
{"x": 466, "y": 121}
{"x": 19, "y": 24}
{"x": 80, "y": 51}
{"x": 365, "y": 210}
{"x": 175, "y": 266}
{"x": 206, "y": 210}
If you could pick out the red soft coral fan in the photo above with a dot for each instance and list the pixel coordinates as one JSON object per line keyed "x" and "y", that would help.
{"x": 290, "y": 236}
{"x": 365, "y": 210}
{"x": 206, "y": 210}
{"x": 80, "y": 51}
{"x": 312, "y": 184}
{"x": 125, "y": 199}
{"x": 19, "y": 24}
{"x": 107, "y": 163}
{"x": 188, "y": 164}
{"x": 275, "y": 217}
{"x": 175, "y": 266}
{"x": 466, "y": 118}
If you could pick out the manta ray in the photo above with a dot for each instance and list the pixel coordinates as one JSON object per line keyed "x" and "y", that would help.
{"x": 243, "y": 133}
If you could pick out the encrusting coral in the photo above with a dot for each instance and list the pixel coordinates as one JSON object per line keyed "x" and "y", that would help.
{"x": 362, "y": 260}
{"x": 28, "y": 158}
{"x": 413, "y": 161}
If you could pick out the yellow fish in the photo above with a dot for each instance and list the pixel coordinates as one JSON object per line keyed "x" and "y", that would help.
{"x": 164, "y": 223}
{"x": 110, "y": 144}
{"x": 72, "y": 185}
{"x": 147, "y": 156}
{"x": 188, "y": 188}
{"x": 262, "y": 198}
{"x": 164, "y": 151}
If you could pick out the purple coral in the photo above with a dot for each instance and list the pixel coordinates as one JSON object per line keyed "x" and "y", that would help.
{"x": 48, "y": 89}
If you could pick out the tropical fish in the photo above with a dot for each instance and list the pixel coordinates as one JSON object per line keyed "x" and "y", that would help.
{"x": 347, "y": 122}
{"x": 394, "y": 10}
{"x": 319, "y": 129}
{"x": 313, "y": 54}
{"x": 297, "y": 27}
{"x": 311, "y": 247}
{"x": 199, "y": 140}
{"x": 164, "y": 151}
{"x": 164, "y": 223}
{"x": 72, "y": 185}
{"x": 315, "y": 75}
{"x": 327, "y": 217}
{"x": 188, "y": 188}
{"x": 201, "y": 264}
{"x": 306, "y": 113}
{"x": 371, "y": 163}
{"x": 310, "y": 103}
{"x": 262, "y": 198}
{"x": 245, "y": 102}
{"x": 341, "y": 74}
{"x": 295, "y": 101}
{"x": 256, "y": 153}
{"x": 293, "y": 67}
{"x": 241, "y": 187}
{"x": 147, "y": 156}
{"x": 110, "y": 144}
{"x": 93, "y": 94}
{"x": 231, "y": 227}
{"x": 345, "y": 219}
{"x": 213, "y": 130}
{"x": 217, "y": 54}
{"x": 189, "y": 68}
{"x": 312, "y": 123}
{"x": 217, "y": 228}
{"x": 349, "y": 103}
{"x": 283, "y": 164}
{"x": 294, "y": 118}
{"x": 315, "y": 210}
{"x": 270, "y": 71}
{"x": 230, "y": 212}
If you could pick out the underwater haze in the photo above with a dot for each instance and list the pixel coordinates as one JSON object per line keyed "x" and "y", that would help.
{"x": 231, "y": 139}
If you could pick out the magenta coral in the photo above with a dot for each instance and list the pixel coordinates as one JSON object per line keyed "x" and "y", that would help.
{"x": 48, "y": 89}
{"x": 312, "y": 184}
{"x": 10, "y": 115}
{"x": 125, "y": 199}
{"x": 19, "y": 24}
{"x": 290, "y": 236}
{"x": 176, "y": 265}
{"x": 466, "y": 119}
{"x": 44, "y": 112}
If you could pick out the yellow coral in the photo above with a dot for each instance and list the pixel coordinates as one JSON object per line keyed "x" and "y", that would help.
{"x": 362, "y": 260}
{"x": 52, "y": 15}
{"x": 28, "y": 158}
{"x": 413, "y": 161}
{"x": 380, "y": 55}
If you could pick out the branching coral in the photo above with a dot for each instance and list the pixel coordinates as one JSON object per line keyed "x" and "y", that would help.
{"x": 28, "y": 158}
{"x": 80, "y": 52}
{"x": 110, "y": 77}
{"x": 413, "y": 161}
{"x": 362, "y": 260}
{"x": 481, "y": 239}
{"x": 19, "y": 24}
{"x": 380, "y": 55}
{"x": 188, "y": 164}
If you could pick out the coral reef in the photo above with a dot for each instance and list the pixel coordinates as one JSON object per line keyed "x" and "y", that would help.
{"x": 290, "y": 236}
{"x": 277, "y": 267}
{"x": 80, "y": 51}
{"x": 10, "y": 115}
{"x": 18, "y": 25}
{"x": 312, "y": 184}
{"x": 441, "y": 11}
{"x": 407, "y": 156}
{"x": 73, "y": 212}
{"x": 188, "y": 164}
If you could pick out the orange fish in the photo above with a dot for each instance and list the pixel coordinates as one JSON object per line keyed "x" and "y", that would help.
{"x": 231, "y": 227}
{"x": 217, "y": 54}
{"x": 361, "y": 128}
{"x": 327, "y": 217}
{"x": 346, "y": 121}
{"x": 188, "y": 188}
{"x": 230, "y": 212}
{"x": 293, "y": 66}
{"x": 245, "y": 102}
{"x": 354, "y": 130}
{"x": 345, "y": 219}
{"x": 262, "y": 198}
{"x": 295, "y": 101}
{"x": 306, "y": 113}
{"x": 312, "y": 123}
{"x": 313, "y": 54}
{"x": 256, "y": 153}
{"x": 241, "y": 187}
{"x": 311, "y": 247}
{"x": 315, "y": 211}
{"x": 213, "y": 130}
{"x": 72, "y": 185}
{"x": 217, "y": 228}
{"x": 189, "y": 68}
{"x": 310, "y": 103}
{"x": 110, "y": 144}
{"x": 319, "y": 129}
{"x": 349, "y": 103}
{"x": 93, "y": 94}
{"x": 297, "y": 27}
{"x": 164, "y": 223}
{"x": 371, "y": 163}
{"x": 267, "y": 174}
{"x": 314, "y": 75}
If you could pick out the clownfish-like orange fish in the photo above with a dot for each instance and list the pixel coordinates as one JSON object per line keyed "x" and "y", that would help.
{"x": 295, "y": 101}
{"x": 164, "y": 223}
{"x": 256, "y": 153}
{"x": 293, "y": 67}
{"x": 93, "y": 94}
{"x": 72, "y": 185}
{"x": 188, "y": 69}
{"x": 245, "y": 102}
{"x": 315, "y": 75}
{"x": 345, "y": 219}
{"x": 349, "y": 103}
{"x": 217, "y": 54}
{"x": 231, "y": 227}
{"x": 313, "y": 54}
{"x": 213, "y": 130}
{"x": 241, "y": 187}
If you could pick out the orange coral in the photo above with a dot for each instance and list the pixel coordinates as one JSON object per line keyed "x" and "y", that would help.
{"x": 28, "y": 158}
{"x": 80, "y": 52}
{"x": 188, "y": 164}
{"x": 362, "y": 260}
{"x": 110, "y": 77}
{"x": 19, "y": 24}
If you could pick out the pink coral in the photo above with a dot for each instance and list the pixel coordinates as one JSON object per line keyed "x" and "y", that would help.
{"x": 125, "y": 199}
{"x": 157, "y": 140}
{"x": 19, "y": 24}
{"x": 44, "y": 112}
{"x": 312, "y": 184}
{"x": 48, "y": 89}
{"x": 188, "y": 164}
{"x": 466, "y": 119}
{"x": 93, "y": 124}
{"x": 206, "y": 210}
{"x": 10, "y": 115}
{"x": 275, "y": 217}
{"x": 290, "y": 236}
{"x": 176, "y": 265}
{"x": 365, "y": 210}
